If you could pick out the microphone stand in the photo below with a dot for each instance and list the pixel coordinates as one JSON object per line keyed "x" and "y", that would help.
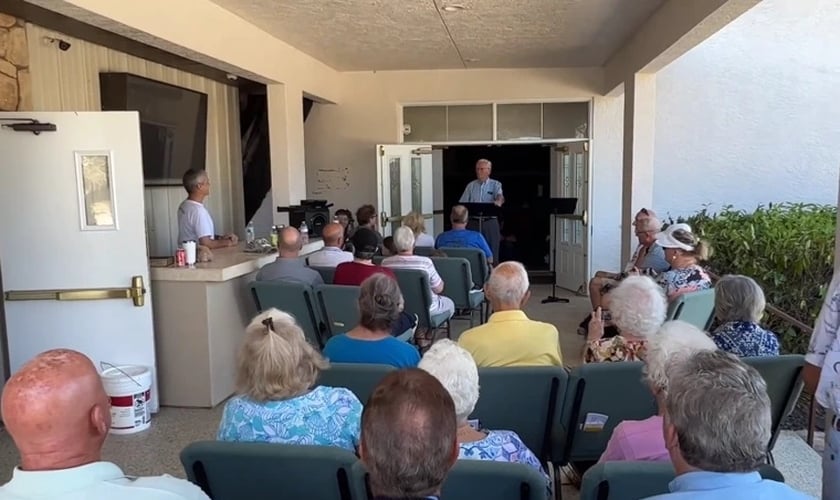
{"x": 553, "y": 297}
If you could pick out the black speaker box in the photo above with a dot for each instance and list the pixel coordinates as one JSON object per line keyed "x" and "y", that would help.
{"x": 315, "y": 217}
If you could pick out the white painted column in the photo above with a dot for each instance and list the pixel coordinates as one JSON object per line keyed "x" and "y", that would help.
{"x": 637, "y": 174}
{"x": 285, "y": 135}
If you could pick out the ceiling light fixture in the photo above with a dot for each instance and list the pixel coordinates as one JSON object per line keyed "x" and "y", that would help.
{"x": 452, "y": 7}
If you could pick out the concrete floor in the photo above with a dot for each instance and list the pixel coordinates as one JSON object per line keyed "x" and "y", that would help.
{"x": 156, "y": 451}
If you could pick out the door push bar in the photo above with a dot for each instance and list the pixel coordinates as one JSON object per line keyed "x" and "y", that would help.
{"x": 136, "y": 292}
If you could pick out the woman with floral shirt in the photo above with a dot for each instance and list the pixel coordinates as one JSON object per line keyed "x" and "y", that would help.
{"x": 684, "y": 251}
{"x": 739, "y": 305}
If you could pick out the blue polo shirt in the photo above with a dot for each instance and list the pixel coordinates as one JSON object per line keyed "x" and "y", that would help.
{"x": 463, "y": 238}
{"x": 703, "y": 485}
{"x": 386, "y": 351}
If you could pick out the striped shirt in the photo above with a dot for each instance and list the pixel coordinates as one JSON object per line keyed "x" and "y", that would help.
{"x": 481, "y": 192}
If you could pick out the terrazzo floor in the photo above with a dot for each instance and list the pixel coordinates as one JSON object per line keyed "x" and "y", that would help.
{"x": 156, "y": 451}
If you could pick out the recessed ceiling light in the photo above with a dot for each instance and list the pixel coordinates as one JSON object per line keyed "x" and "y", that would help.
{"x": 452, "y": 7}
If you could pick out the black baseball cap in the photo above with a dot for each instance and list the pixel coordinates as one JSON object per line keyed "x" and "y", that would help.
{"x": 365, "y": 240}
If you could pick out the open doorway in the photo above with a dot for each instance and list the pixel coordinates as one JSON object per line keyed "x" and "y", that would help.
{"x": 525, "y": 173}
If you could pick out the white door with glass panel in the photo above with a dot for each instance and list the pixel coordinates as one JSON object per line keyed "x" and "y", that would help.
{"x": 75, "y": 265}
{"x": 405, "y": 184}
{"x": 570, "y": 179}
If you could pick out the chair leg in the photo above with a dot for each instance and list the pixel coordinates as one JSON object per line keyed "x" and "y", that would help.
{"x": 472, "y": 318}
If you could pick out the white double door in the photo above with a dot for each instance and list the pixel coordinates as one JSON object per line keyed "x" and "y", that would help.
{"x": 570, "y": 179}
{"x": 404, "y": 182}
{"x": 72, "y": 225}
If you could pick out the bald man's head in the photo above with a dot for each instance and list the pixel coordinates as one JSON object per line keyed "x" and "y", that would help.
{"x": 56, "y": 410}
{"x": 289, "y": 244}
{"x": 333, "y": 234}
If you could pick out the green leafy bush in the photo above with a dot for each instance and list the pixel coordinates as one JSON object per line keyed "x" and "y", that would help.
{"x": 788, "y": 249}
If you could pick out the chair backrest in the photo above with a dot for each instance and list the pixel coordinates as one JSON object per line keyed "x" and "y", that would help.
{"x": 339, "y": 305}
{"x": 360, "y": 378}
{"x": 327, "y": 273}
{"x": 473, "y": 479}
{"x": 424, "y": 251}
{"x": 456, "y": 273}
{"x": 634, "y": 480}
{"x": 784, "y": 384}
{"x": 417, "y": 293}
{"x": 523, "y": 399}
{"x": 600, "y": 395}
{"x": 476, "y": 258}
{"x": 697, "y": 308}
{"x": 297, "y": 299}
{"x": 269, "y": 471}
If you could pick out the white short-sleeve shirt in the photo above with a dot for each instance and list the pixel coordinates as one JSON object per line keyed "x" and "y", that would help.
{"x": 96, "y": 481}
{"x": 194, "y": 221}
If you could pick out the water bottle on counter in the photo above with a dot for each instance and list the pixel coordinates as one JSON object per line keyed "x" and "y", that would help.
{"x": 249, "y": 234}
{"x": 304, "y": 233}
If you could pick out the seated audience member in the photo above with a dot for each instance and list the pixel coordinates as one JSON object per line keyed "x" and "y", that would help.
{"x": 456, "y": 370}
{"x": 405, "y": 259}
{"x": 365, "y": 247}
{"x": 509, "y": 338}
{"x": 409, "y": 438}
{"x": 638, "y": 309}
{"x": 289, "y": 266}
{"x": 415, "y": 222}
{"x": 276, "y": 401}
{"x": 348, "y": 224}
{"x": 461, "y": 237}
{"x": 717, "y": 453}
{"x": 380, "y": 304}
{"x": 388, "y": 247}
{"x": 739, "y": 304}
{"x": 642, "y": 439}
{"x": 332, "y": 254}
{"x": 366, "y": 217}
{"x": 684, "y": 252}
{"x": 648, "y": 256}
{"x": 58, "y": 416}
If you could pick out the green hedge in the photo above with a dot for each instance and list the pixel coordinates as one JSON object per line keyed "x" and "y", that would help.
{"x": 788, "y": 249}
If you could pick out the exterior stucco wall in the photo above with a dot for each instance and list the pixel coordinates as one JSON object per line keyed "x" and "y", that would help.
{"x": 752, "y": 115}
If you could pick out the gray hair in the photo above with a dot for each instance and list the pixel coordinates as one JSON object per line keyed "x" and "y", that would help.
{"x": 720, "y": 410}
{"x": 404, "y": 239}
{"x": 508, "y": 283}
{"x": 638, "y": 306}
{"x": 193, "y": 178}
{"x": 674, "y": 342}
{"x": 649, "y": 224}
{"x": 738, "y": 298}
{"x": 380, "y": 302}
{"x": 455, "y": 368}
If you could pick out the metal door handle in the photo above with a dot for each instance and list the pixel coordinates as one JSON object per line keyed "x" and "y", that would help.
{"x": 136, "y": 292}
{"x": 585, "y": 218}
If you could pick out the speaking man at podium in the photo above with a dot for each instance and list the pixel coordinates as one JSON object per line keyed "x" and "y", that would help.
{"x": 485, "y": 190}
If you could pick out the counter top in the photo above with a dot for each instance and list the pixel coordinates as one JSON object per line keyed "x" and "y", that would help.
{"x": 227, "y": 264}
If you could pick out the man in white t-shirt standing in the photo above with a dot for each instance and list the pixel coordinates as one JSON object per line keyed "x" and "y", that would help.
{"x": 58, "y": 415}
{"x": 194, "y": 221}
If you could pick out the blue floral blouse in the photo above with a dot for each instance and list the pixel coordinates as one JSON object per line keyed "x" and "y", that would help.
{"x": 500, "y": 446}
{"x": 326, "y": 416}
{"x": 676, "y": 282}
{"x": 744, "y": 338}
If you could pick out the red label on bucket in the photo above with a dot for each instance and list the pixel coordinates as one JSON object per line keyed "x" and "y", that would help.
{"x": 128, "y": 400}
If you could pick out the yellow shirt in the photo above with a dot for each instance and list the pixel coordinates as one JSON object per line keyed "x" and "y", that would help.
{"x": 509, "y": 338}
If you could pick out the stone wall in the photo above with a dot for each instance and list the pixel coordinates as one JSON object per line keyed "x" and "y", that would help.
{"x": 15, "y": 82}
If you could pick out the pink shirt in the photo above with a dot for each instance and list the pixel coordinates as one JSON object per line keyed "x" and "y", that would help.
{"x": 637, "y": 440}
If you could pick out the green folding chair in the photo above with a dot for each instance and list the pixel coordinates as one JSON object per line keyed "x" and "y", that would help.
{"x": 473, "y": 479}
{"x": 339, "y": 305}
{"x": 457, "y": 275}
{"x": 523, "y": 399}
{"x": 478, "y": 262}
{"x": 360, "y": 378}
{"x": 417, "y": 293}
{"x": 599, "y": 397}
{"x": 327, "y": 273}
{"x": 783, "y": 375}
{"x": 297, "y": 299}
{"x": 269, "y": 471}
{"x": 697, "y": 308}
{"x": 630, "y": 480}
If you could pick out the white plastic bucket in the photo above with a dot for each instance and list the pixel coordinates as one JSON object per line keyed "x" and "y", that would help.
{"x": 129, "y": 388}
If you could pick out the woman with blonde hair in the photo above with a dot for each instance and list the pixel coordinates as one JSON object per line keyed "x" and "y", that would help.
{"x": 684, "y": 251}
{"x": 417, "y": 224}
{"x": 275, "y": 400}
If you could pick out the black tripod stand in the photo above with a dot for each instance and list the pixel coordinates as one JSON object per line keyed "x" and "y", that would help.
{"x": 559, "y": 207}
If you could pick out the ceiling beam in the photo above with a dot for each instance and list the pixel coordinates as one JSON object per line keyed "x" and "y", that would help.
{"x": 674, "y": 29}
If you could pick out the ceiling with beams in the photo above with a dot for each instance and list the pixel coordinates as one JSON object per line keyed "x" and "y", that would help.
{"x": 352, "y": 35}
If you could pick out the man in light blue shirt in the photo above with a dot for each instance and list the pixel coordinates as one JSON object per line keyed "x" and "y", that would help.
{"x": 485, "y": 190}
{"x": 717, "y": 427}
